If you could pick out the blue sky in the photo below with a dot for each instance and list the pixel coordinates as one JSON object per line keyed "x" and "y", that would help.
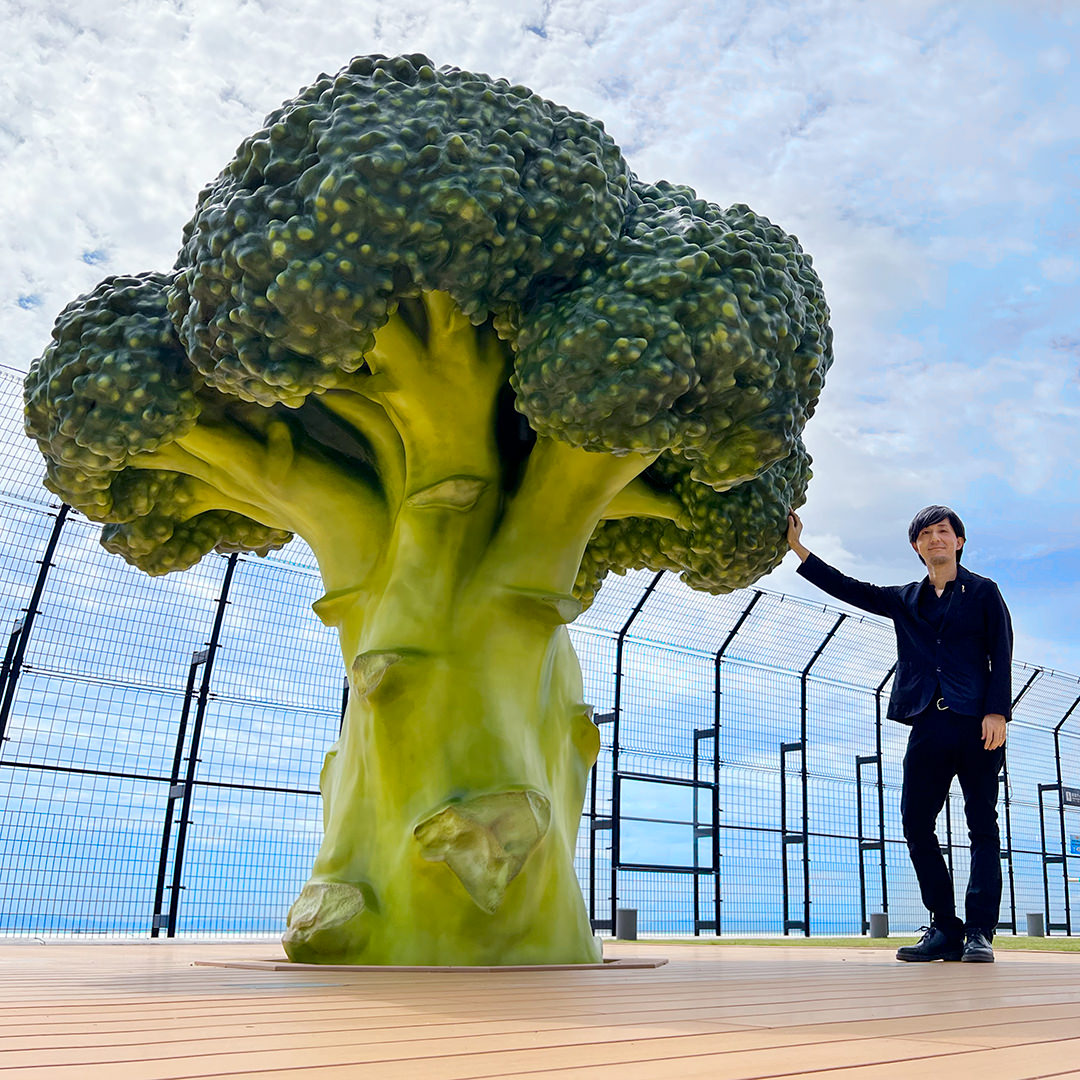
{"x": 925, "y": 153}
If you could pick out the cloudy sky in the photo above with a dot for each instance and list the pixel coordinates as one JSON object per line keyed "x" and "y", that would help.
{"x": 926, "y": 154}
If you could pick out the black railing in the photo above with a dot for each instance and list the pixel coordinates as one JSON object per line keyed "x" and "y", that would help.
{"x": 145, "y": 759}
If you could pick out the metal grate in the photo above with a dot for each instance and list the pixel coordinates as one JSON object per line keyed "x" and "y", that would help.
{"x": 694, "y": 695}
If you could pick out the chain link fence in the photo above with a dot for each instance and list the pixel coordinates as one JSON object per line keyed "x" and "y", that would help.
{"x": 162, "y": 740}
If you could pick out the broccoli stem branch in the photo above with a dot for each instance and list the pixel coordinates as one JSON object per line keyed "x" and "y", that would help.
{"x": 209, "y": 478}
{"x": 274, "y": 481}
{"x": 435, "y": 378}
{"x": 207, "y": 497}
{"x": 638, "y": 499}
{"x": 548, "y": 522}
{"x": 439, "y": 391}
{"x": 367, "y": 417}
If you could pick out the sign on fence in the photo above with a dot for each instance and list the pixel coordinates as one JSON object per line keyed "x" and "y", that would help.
{"x": 1074, "y": 845}
{"x": 1070, "y": 796}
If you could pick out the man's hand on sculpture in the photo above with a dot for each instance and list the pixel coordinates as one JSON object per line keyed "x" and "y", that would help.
{"x": 794, "y": 532}
{"x": 993, "y": 731}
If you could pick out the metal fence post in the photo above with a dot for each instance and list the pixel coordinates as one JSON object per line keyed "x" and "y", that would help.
{"x": 1061, "y": 819}
{"x": 1007, "y": 852}
{"x": 616, "y": 709}
{"x": 193, "y": 749}
{"x": 593, "y": 826}
{"x": 1063, "y": 858}
{"x": 596, "y": 824}
{"x": 176, "y": 791}
{"x": 20, "y": 636}
{"x": 714, "y": 733}
{"x": 865, "y": 845}
{"x": 881, "y": 792}
{"x": 9, "y": 653}
{"x": 801, "y": 836}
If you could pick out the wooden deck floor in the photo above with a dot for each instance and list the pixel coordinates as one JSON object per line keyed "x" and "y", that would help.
{"x": 117, "y": 1012}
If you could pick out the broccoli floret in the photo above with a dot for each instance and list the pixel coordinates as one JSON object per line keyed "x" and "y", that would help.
{"x": 157, "y": 544}
{"x": 388, "y": 179}
{"x": 114, "y": 382}
{"x": 433, "y": 324}
{"x": 703, "y": 332}
{"x": 113, "y": 390}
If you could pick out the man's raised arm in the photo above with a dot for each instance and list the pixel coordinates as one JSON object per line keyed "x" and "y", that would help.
{"x": 860, "y": 594}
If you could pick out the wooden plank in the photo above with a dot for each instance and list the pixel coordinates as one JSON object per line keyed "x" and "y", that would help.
{"x": 492, "y": 1063}
{"x": 167, "y": 1030}
{"x": 124, "y": 1012}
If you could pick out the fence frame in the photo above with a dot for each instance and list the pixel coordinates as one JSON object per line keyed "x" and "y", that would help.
{"x": 643, "y": 597}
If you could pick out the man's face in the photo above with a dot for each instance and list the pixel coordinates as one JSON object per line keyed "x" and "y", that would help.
{"x": 938, "y": 544}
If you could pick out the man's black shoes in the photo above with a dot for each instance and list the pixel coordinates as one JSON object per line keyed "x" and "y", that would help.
{"x": 973, "y": 947}
{"x": 936, "y": 944}
{"x": 977, "y": 949}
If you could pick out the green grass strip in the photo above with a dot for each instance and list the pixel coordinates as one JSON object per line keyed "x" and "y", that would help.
{"x": 1004, "y": 942}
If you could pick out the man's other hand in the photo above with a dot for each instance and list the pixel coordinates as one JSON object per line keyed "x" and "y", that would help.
{"x": 993, "y": 731}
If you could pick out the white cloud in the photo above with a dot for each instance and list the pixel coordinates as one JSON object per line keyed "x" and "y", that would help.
{"x": 1060, "y": 269}
{"x": 947, "y": 426}
{"x": 1054, "y": 60}
{"x": 830, "y": 118}
{"x": 897, "y": 141}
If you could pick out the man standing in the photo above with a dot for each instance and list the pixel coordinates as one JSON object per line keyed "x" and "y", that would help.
{"x": 953, "y": 686}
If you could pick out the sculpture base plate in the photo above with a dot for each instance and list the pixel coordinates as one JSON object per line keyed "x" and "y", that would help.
{"x": 287, "y": 965}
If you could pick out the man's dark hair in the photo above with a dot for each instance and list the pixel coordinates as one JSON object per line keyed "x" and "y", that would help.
{"x": 931, "y": 515}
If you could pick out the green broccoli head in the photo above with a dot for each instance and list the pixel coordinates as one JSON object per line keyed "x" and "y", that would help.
{"x": 114, "y": 381}
{"x": 115, "y": 384}
{"x": 724, "y": 540}
{"x": 703, "y": 332}
{"x": 633, "y": 321}
{"x": 389, "y": 179}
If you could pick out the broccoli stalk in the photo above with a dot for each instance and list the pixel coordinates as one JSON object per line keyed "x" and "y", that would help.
{"x": 432, "y": 324}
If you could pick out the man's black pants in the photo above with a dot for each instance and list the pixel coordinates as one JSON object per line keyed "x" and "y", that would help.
{"x": 944, "y": 744}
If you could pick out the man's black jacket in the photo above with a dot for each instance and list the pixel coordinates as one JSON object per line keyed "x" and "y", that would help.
{"x": 969, "y": 658}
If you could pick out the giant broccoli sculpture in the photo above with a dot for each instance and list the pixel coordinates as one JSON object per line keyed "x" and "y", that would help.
{"x": 435, "y": 326}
